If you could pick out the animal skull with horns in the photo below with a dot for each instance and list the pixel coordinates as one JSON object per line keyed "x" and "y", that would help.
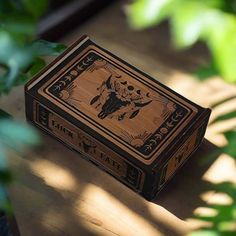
{"x": 119, "y": 99}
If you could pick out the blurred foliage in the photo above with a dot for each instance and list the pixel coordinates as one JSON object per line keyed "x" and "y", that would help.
{"x": 206, "y": 71}
{"x": 222, "y": 223}
{"x": 210, "y": 21}
{"x": 13, "y": 135}
{"x": 214, "y": 23}
{"x": 20, "y": 59}
{"x": 20, "y": 52}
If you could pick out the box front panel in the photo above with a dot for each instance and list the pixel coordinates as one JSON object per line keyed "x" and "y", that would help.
{"x": 89, "y": 147}
{"x": 119, "y": 103}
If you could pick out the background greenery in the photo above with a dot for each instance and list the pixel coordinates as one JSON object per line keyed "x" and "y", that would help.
{"x": 21, "y": 57}
{"x": 212, "y": 22}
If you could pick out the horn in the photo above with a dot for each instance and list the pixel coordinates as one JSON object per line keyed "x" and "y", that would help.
{"x": 108, "y": 82}
{"x": 94, "y": 99}
{"x": 138, "y": 104}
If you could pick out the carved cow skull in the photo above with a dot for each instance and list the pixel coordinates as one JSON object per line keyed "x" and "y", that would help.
{"x": 118, "y": 99}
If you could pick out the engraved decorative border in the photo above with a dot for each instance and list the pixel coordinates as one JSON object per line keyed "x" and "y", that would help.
{"x": 118, "y": 63}
{"x": 152, "y": 142}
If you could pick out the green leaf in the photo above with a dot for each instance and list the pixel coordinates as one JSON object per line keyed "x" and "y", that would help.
{"x": 45, "y": 48}
{"x": 229, "y": 6}
{"x": 205, "y": 72}
{"x": 6, "y": 176}
{"x": 226, "y": 116}
{"x": 21, "y": 79}
{"x": 230, "y": 149}
{"x": 38, "y": 65}
{"x": 11, "y": 74}
{"x": 5, "y": 6}
{"x": 17, "y": 135}
{"x": 4, "y": 201}
{"x": 35, "y": 7}
{"x": 223, "y": 101}
{"x": 4, "y": 114}
{"x": 222, "y": 43}
{"x": 17, "y": 24}
{"x": 225, "y": 226}
{"x": 146, "y": 13}
{"x": 192, "y": 20}
{"x": 187, "y": 23}
{"x": 211, "y": 21}
{"x": 205, "y": 218}
{"x": 189, "y": 20}
{"x": 3, "y": 197}
{"x": 206, "y": 232}
{"x": 14, "y": 57}
{"x": 227, "y": 187}
{"x": 3, "y": 164}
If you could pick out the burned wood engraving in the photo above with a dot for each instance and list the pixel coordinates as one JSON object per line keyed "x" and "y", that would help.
{"x": 118, "y": 99}
{"x": 116, "y": 116}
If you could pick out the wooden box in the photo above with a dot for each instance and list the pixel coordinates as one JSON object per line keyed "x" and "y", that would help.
{"x": 116, "y": 116}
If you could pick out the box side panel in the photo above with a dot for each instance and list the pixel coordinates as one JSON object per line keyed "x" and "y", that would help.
{"x": 90, "y": 149}
{"x": 181, "y": 154}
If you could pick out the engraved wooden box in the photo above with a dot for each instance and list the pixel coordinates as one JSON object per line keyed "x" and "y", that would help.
{"x": 116, "y": 116}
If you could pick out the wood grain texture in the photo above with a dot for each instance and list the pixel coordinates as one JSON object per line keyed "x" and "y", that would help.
{"x": 57, "y": 193}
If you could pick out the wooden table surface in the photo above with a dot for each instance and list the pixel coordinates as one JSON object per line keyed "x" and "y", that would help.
{"x": 57, "y": 193}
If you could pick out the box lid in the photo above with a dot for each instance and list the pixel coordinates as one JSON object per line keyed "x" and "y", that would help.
{"x": 121, "y": 106}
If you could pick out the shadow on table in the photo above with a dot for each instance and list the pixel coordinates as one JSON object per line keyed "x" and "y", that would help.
{"x": 181, "y": 195}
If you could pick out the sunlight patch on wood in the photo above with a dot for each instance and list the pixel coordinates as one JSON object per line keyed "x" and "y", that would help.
{"x": 222, "y": 126}
{"x": 205, "y": 211}
{"x": 223, "y": 109}
{"x": 223, "y": 169}
{"x": 186, "y": 85}
{"x": 112, "y": 215}
{"x": 216, "y": 198}
{"x": 216, "y": 138}
{"x": 167, "y": 218}
{"x": 54, "y": 175}
{"x": 215, "y": 131}
{"x": 196, "y": 224}
{"x": 219, "y": 90}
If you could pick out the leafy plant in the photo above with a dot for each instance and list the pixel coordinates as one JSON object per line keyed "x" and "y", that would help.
{"x": 222, "y": 223}
{"x": 21, "y": 57}
{"x": 214, "y": 23}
